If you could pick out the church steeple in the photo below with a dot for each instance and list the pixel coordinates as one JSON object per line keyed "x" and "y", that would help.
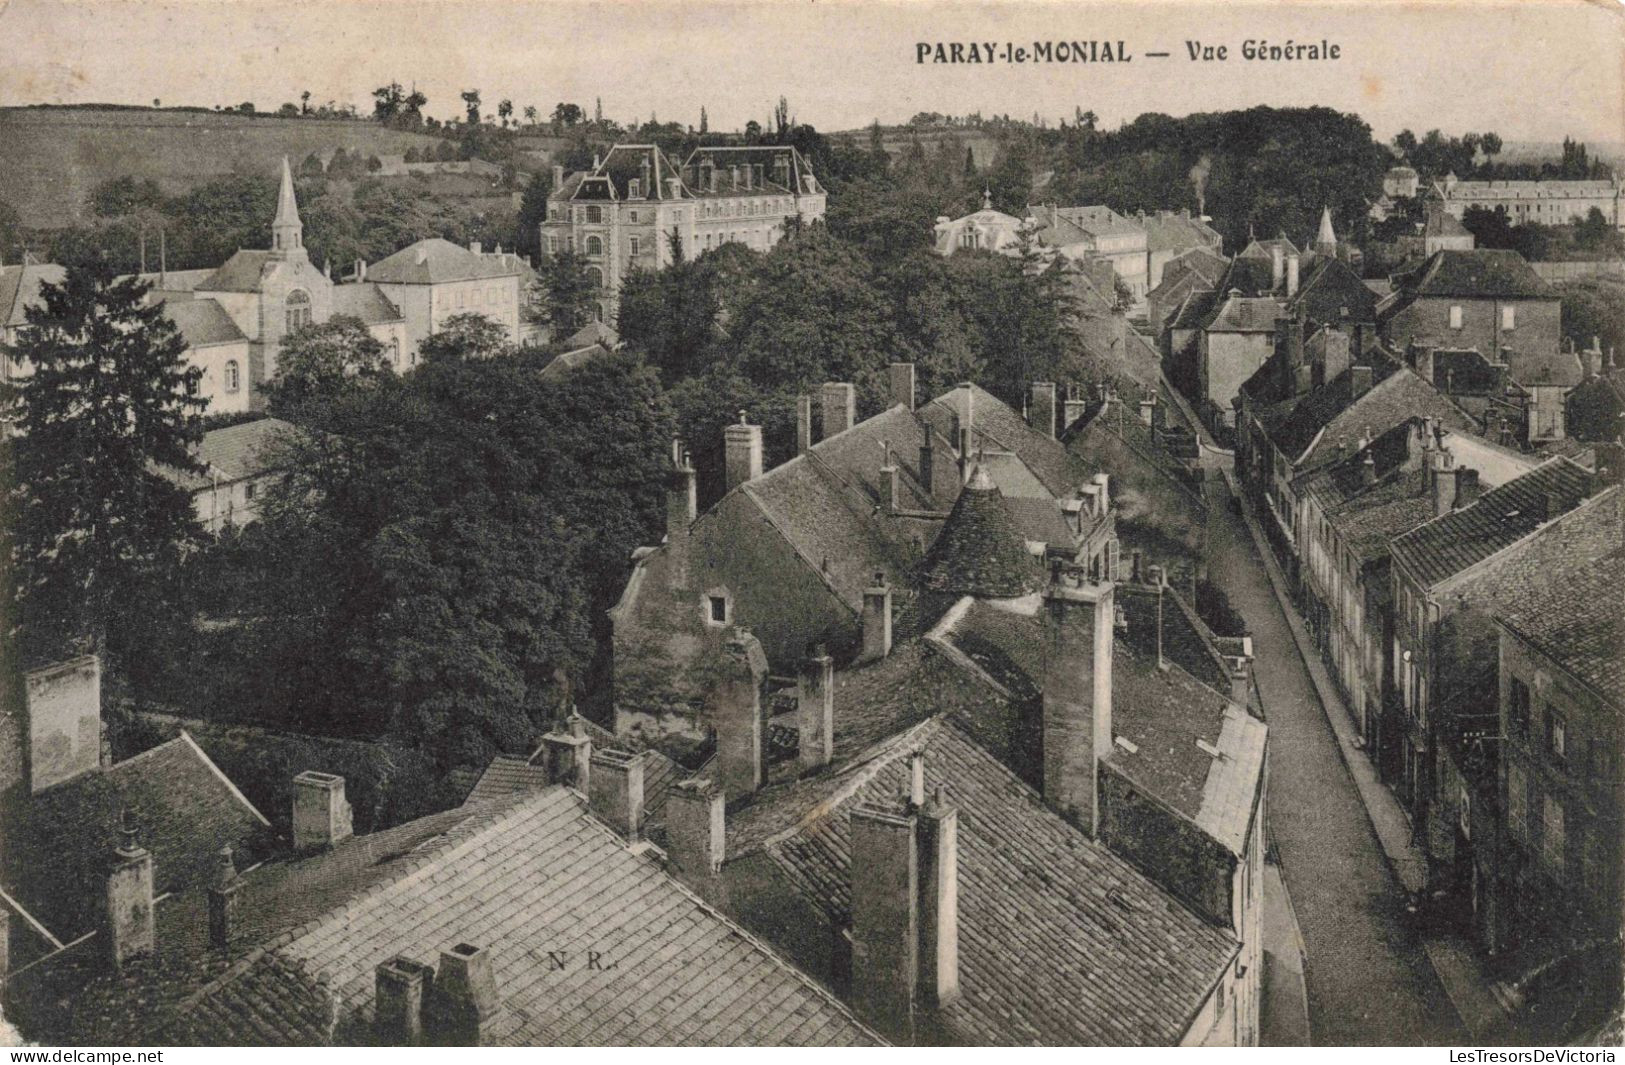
{"x": 1326, "y": 239}
{"x": 287, "y": 232}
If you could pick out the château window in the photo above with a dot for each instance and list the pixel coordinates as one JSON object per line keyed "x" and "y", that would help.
{"x": 637, "y": 246}
{"x": 233, "y": 379}
{"x": 1455, "y": 316}
{"x": 632, "y": 216}
{"x": 552, "y": 244}
{"x": 595, "y": 215}
{"x": 596, "y": 275}
{"x": 595, "y": 246}
{"x": 297, "y": 313}
{"x": 634, "y": 189}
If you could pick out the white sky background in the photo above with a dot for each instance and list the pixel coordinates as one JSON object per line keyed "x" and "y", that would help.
{"x": 1530, "y": 70}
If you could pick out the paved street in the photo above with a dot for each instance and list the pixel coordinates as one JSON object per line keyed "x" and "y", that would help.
{"x": 1369, "y": 980}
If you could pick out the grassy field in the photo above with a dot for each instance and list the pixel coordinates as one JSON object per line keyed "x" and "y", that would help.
{"x": 984, "y": 146}
{"x": 51, "y": 158}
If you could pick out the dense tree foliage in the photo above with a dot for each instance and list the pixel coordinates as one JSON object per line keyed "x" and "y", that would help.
{"x": 1592, "y": 237}
{"x": 97, "y": 524}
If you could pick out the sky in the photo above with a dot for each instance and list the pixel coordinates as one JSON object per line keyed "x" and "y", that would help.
{"x": 1529, "y": 70}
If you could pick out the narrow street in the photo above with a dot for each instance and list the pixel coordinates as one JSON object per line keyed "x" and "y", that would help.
{"x": 1369, "y": 981}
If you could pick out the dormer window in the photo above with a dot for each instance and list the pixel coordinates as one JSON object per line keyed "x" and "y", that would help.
{"x": 634, "y": 189}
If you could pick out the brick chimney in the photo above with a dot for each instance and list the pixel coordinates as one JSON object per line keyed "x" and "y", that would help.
{"x": 696, "y": 828}
{"x": 737, "y": 714}
{"x": 1077, "y": 695}
{"x": 803, "y": 424}
{"x": 615, "y": 791}
{"x": 463, "y": 1000}
{"x": 130, "y": 922}
{"x": 905, "y": 914}
{"x": 840, "y": 407}
{"x": 64, "y": 721}
{"x": 682, "y": 499}
{"x": 566, "y": 754}
{"x": 321, "y": 816}
{"x": 815, "y": 711}
{"x": 742, "y": 452}
{"x": 400, "y": 987}
{"x": 1041, "y": 412}
{"x": 876, "y": 620}
{"x": 1359, "y": 381}
{"x": 902, "y": 384}
{"x": 223, "y": 896}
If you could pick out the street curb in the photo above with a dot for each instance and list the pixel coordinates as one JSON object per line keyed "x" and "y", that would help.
{"x": 1277, "y": 581}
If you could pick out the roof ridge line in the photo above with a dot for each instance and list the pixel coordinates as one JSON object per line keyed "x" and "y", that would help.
{"x": 217, "y": 771}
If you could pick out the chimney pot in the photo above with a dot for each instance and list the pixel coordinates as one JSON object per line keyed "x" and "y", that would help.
{"x": 566, "y": 755}
{"x": 1147, "y": 407}
{"x": 463, "y": 999}
{"x": 1467, "y": 487}
{"x": 222, "y": 900}
{"x": 615, "y": 791}
{"x": 1072, "y": 410}
{"x": 839, "y": 407}
{"x": 321, "y": 815}
{"x": 877, "y": 620}
{"x": 1277, "y": 275}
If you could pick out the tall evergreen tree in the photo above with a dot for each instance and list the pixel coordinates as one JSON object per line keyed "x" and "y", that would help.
{"x": 570, "y": 290}
{"x": 97, "y": 523}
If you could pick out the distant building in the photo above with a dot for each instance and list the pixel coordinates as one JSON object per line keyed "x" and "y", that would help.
{"x": 435, "y": 280}
{"x": 1099, "y": 232}
{"x": 1550, "y": 203}
{"x": 624, "y": 213}
{"x": 237, "y": 468}
{"x": 1171, "y": 235}
{"x": 986, "y": 230}
{"x": 1594, "y": 410}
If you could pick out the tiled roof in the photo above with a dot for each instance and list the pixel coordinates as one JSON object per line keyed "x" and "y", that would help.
{"x": 996, "y": 426}
{"x": 436, "y": 261}
{"x": 1549, "y": 367}
{"x": 174, "y": 282}
{"x": 1330, "y": 288}
{"x": 1250, "y": 275}
{"x": 1165, "y": 230}
{"x": 1480, "y": 273}
{"x": 1245, "y": 314}
{"x": 243, "y": 272}
{"x": 203, "y": 322}
{"x": 1327, "y": 418}
{"x": 59, "y": 841}
{"x": 544, "y": 876}
{"x": 1443, "y": 224}
{"x": 1578, "y": 621}
{"x": 507, "y": 775}
{"x": 594, "y": 332}
{"x": 234, "y": 452}
{"x": 19, "y": 289}
{"x": 1060, "y": 941}
{"x": 366, "y": 301}
{"x": 1262, "y": 249}
{"x": 1445, "y": 546}
{"x": 980, "y": 550}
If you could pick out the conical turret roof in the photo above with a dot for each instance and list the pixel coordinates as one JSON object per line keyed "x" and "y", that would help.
{"x": 1326, "y": 238}
{"x": 979, "y": 551}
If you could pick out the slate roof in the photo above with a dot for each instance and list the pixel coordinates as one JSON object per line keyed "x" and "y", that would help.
{"x": 1250, "y": 275}
{"x": 203, "y": 322}
{"x": 1060, "y": 941}
{"x": 1479, "y": 273}
{"x": 1546, "y": 367}
{"x": 980, "y": 550}
{"x": 799, "y": 172}
{"x": 1261, "y": 249}
{"x": 19, "y": 289}
{"x": 437, "y": 261}
{"x": 507, "y": 775}
{"x": 242, "y": 272}
{"x": 594, "y": 332}
{"x": 1443, "y": 224}
{"x": 1245, "y": 314}
{"x": 1445, "y": 546}
{"x": 1578, "y": 621}
{"x": 366, "y": 301}
{"x": 1166, "y": 230}
{"x": 996, "y": 426}
{"x": 59, "y": 841}
{"x": 1330, "y": 288}
{"x": 1327, "y": 418}
{"x": 623, "y": 163}
{"x": 234, "y": 452}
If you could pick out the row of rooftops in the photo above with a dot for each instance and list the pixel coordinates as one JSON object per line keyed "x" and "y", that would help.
{"x": 639, "y": 172}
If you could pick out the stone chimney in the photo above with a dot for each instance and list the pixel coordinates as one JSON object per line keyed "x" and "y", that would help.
{"x": 696, "y": 828}
{"x": 876, "y": 620}
{"x": 1042, "y": 410}
{"x": 400, "y": 988}
{"x": 815, "y": 711}
{"x": 558, "y": 179}
{"x": 321, "y": 816}
{"x": 1444, "y": 482}
{"x": 1077, "y": 695}
{"x": 1368, "y": 470}
{"x": 1292, "y": 275}
{"x": 1148, "y": 407}
{"x": 566, "y": 754}
{"x": 682, "y": 499}
{"x": 1072, "y": 410}
{"x": 476, "y": 247}
{"x": 742, "y": 452}
{"x": 130, "y": 922}
{"x": 902, "y": 384}
{"x": 223, "y": 896}
{"x": 1102, "y": 483}
{"x": 928, "y": 462}
{"x": 737, "y": 713}
{"x": 463, "y": 1001}
{"x": 891, "y": 474}
{"x": 615, "y": 791}
{"x": 1468, "y": 488}
{"x": 803, "y": 424}
{"x": 840, "y": 404}
{"x": 1359, "y": 381}
{"x": 64, "y": 721}
{"x": 1277, "y": 271}
{"x": 905, "y": 914}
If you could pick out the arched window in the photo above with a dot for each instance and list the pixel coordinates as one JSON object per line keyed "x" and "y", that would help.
{"x": 232, "y": 376}
{"x": 297, "y": 314}
{"x": 595, "y": 246}
{"x": 596, "y": 275}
